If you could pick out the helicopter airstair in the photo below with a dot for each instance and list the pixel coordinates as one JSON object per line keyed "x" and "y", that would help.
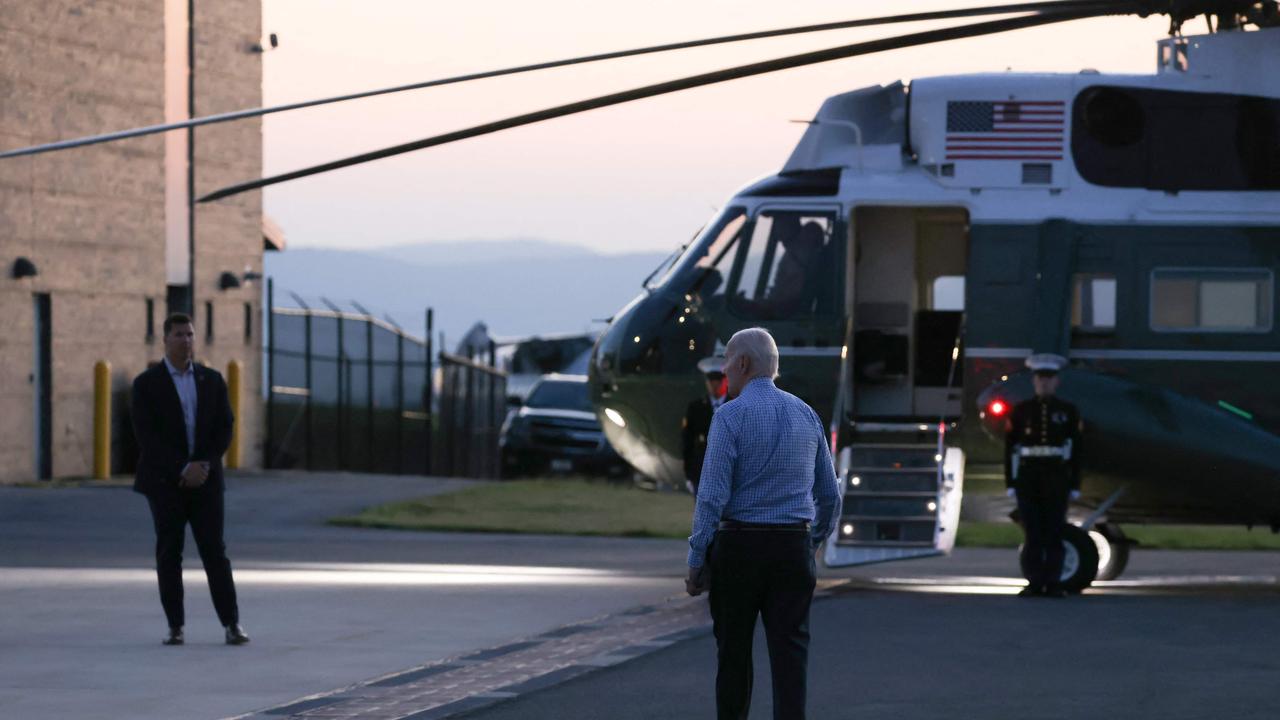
{"x": 902, "y": 487}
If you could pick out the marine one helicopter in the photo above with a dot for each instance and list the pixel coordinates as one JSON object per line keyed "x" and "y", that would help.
{"x": 924, "y": 238}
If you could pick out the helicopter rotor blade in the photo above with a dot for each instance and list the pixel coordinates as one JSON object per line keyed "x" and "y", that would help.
{"x": 711, "y": 78}
{"x": 1048, "y": 5}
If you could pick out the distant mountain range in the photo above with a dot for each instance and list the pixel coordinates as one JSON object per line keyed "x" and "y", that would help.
{"x": 470, "y": 252}
{"x": 516, "y": 286}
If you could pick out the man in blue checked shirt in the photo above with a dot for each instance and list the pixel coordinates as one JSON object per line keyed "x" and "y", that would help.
{"x": 766, "y": 499}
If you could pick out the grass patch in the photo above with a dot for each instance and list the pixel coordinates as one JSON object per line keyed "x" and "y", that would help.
{"x": 569, "y": 506}
{"x": 544, "y": 506}
{"x": 1202, "y": 537}
{"x": 989, "y": 534}
{"x": 984, "y": 486}
{"x": 1148, "y": 537}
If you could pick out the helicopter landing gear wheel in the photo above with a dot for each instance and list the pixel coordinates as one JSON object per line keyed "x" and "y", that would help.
{"x": 1113, "y": 551}
{"x": 1079, "y": 559}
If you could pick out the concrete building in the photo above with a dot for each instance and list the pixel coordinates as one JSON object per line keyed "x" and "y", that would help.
{"x": 110, "y": 230}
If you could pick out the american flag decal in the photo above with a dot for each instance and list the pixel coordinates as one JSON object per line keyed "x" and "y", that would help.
{"x": 1005, "y": 130}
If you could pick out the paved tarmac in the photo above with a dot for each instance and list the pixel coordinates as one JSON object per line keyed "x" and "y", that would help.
{"x": 1182, "y": 635}
{"x": 326, "y": 606}
{"x": 906, "y": 656}
{"x": 917, "y": 647}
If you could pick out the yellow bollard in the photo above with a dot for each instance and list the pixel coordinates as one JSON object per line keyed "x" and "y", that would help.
{"x": 102, "y": 420}
{"x": 233, "y": 389}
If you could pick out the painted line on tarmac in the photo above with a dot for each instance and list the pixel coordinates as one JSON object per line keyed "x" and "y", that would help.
{"x": 988, "y": 585}
{"x": 336, "y": 575}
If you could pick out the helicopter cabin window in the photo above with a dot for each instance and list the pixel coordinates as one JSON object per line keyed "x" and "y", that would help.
{"x": 788, "y": 270}
{"x": 1175, "y": 140}
{"x": 947, "y": 293}
{"x": 1093, "y": 302}
{"x": 1211, "y": 300}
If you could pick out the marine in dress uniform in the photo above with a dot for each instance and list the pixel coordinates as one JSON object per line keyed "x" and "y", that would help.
{"x": 697, "y": 420}
{"x": 1042, "y": 471}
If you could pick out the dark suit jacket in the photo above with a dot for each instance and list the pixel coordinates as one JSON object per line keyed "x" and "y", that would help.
{"x": 162, "y": 433}
{"x": 697, "y": 423}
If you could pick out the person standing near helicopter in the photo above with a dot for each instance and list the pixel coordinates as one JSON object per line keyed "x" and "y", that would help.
{"x": 697, "y": 420}
{"x": 1042, "y": 472}
{"x": 767, "y": 500}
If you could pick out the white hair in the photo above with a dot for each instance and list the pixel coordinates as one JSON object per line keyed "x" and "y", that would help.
{"x": 756, "y": 343}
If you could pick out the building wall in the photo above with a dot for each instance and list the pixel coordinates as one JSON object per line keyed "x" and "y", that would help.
{"x": 92, "y": 219}
{"x": 229, "y": 232}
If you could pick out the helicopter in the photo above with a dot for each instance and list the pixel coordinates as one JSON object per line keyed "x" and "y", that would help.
{"x": 923, "y": 240}
{"x": 925, "y": 237}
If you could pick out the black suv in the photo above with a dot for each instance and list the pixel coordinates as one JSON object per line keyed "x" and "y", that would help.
{"x": 557, "y": 430}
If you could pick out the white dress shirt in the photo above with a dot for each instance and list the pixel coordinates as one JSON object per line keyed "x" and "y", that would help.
{"x": 185, "y": 382}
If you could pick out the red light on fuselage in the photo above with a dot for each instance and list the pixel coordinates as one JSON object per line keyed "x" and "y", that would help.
{"x": 997, "y": 408}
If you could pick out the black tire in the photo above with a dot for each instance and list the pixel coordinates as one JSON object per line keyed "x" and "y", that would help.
{"x": 1078, "y": 575}
{"x": 1079, "y": 562}
{"x": 1113, "y": 562}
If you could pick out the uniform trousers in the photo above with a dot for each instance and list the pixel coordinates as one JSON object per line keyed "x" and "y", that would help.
{"x": 1042, "y": 503}
{"x": 770, "y": 574}
{"x": 171, "y": 510}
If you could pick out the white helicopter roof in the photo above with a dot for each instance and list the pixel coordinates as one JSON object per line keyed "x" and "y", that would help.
{"x": 1001, "y": 143}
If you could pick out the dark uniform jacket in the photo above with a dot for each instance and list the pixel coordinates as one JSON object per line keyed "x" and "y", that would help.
{"x": 697, "y": 423}
{"x": 162, "y": 433}
{"x": 1042, "y": 441}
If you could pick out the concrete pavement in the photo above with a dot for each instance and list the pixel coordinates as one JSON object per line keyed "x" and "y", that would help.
{"x": 325, "y": 606}
{"x": 1182, "y": 635}
{"x": 883, "y": 654}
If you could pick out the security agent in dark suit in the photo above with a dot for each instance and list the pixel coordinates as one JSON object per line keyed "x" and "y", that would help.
{"x": 1042, "y": 472}
{"x": 182, "y": 420}
{"x": 697, "y": 420}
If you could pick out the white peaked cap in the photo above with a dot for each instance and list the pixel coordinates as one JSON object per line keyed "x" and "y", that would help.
{"x": 708, "y": 365}
{"x": 1046, "y": 362}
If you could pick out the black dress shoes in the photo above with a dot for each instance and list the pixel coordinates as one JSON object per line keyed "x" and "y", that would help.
{"x": 1055, "y": 591}
{"x": 236, "y": 635}
{"x": 175, "y": 636}
{"x": 1031, "y": 591}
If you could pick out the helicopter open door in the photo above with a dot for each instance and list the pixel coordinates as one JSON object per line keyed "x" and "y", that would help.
{"x": 899, "y": 397}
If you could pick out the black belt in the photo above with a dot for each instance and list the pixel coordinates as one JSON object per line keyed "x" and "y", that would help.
{"x": 736, "y": 525}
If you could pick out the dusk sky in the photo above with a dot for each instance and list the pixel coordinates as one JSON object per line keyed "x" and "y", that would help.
{"x": 637, "y": 177}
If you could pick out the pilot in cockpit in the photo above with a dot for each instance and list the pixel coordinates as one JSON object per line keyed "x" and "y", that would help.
{"x": 789, "y": 290}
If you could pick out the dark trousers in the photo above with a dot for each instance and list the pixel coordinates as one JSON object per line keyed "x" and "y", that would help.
{"x": 171, "y": 510}
{"x": 1042, "y": 503}
{"x": 769, "y": 573}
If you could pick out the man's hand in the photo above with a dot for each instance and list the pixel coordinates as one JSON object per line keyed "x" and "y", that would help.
{"x": 194, "y": 475}
{"x": 1011, "y": 493}
{"x": 696, "y": 583}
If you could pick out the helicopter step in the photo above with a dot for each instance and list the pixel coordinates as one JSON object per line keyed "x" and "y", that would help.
{"x": 891, "y": 498}
{"x": 901, "y": 500}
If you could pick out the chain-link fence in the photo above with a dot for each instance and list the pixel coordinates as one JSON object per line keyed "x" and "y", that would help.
{"x": 473, "y": 404}
{"x": 349, "y": 391}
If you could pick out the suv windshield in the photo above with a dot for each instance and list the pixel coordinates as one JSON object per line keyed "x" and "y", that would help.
{"x": 560, "y": 395}
{"x": 711, "y": 243}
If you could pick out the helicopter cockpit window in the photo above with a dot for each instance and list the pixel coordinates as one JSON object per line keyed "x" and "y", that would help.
{"x": 703, "y": 261}
{"x": 788, "y": 271}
